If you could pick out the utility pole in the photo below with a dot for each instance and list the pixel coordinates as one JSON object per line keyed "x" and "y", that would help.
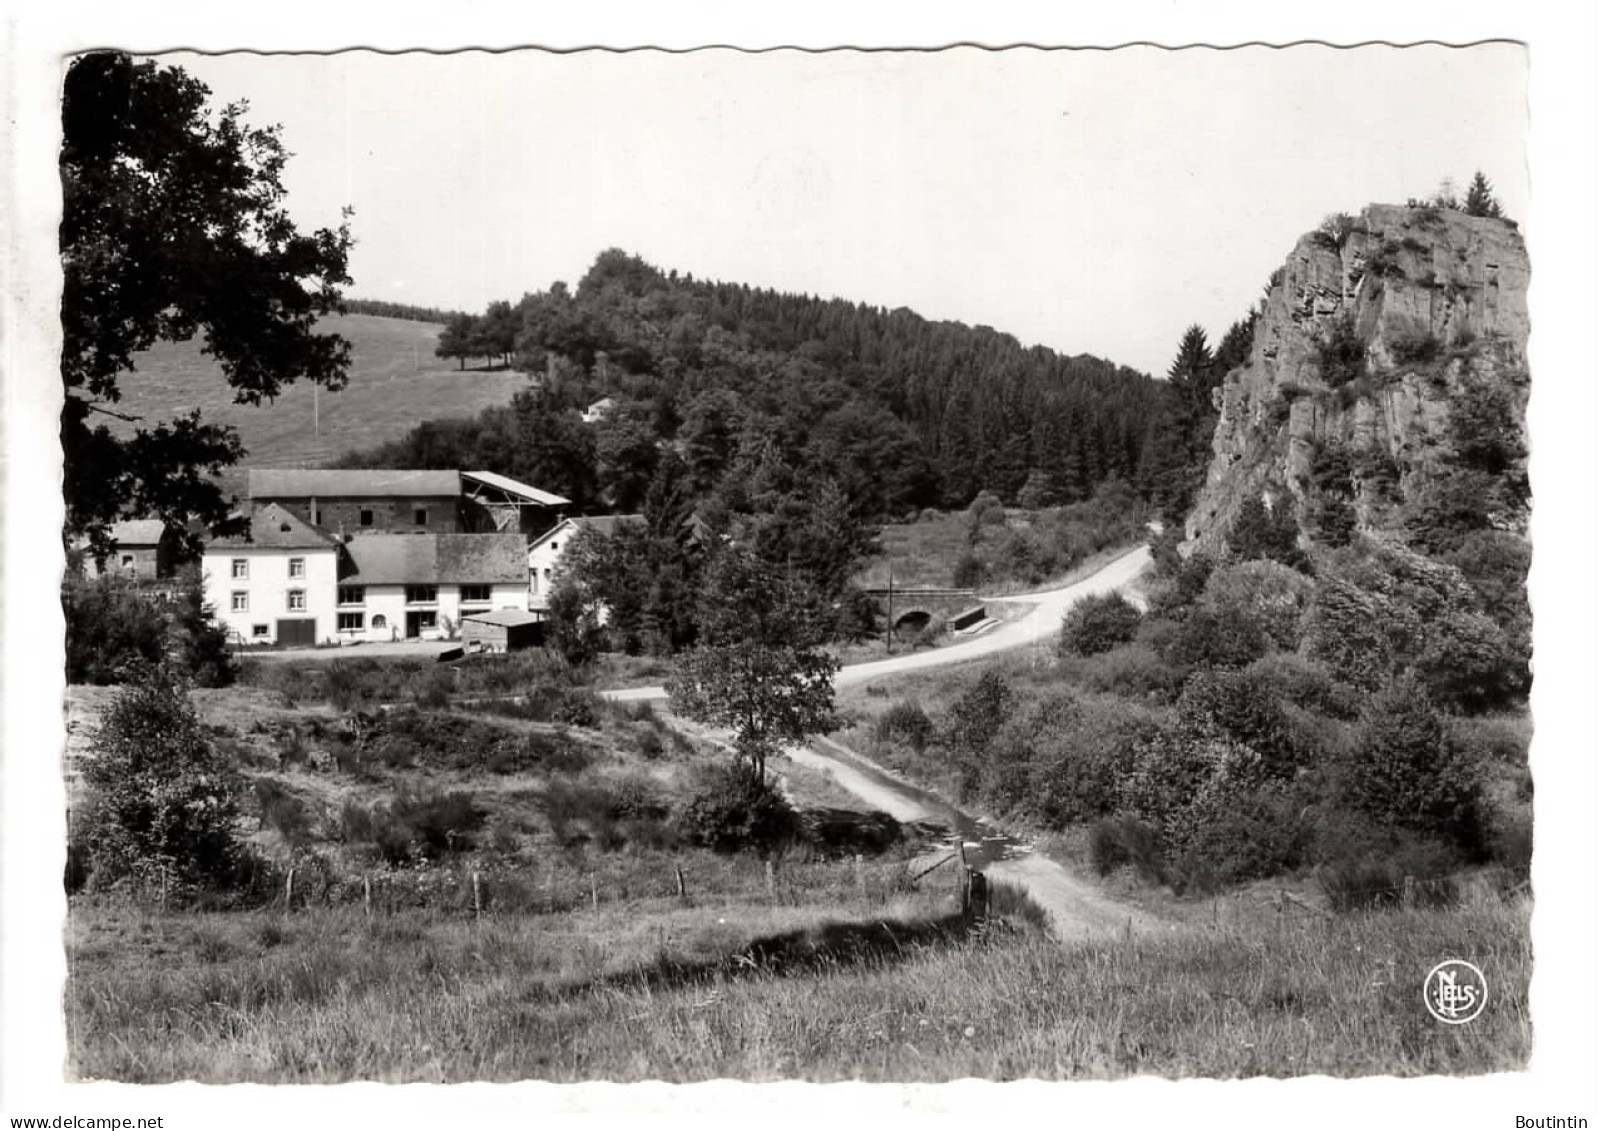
{"x": 889, "y": 610}
{"x": 316, "y": 408}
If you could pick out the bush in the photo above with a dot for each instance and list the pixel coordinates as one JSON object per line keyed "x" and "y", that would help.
{"x": 1241, "y": 706}
{"x": 1415, "y": 349}
{"x": 1216, "y": 639}
{"x": 1118, "y": 841}
{"x": 1407, "y": 771}
{"x": 1132, "y": 671}
{"x": 1076, "y": 775}
{"x": 1096, "y": 624}
{"x": 1340, "y": 352}
{"x": 1271, "y": 595}
{"x": 969, "y": 572}
{"x": 732, "y": 810}
{"x": 1250, "y": 835}
{"x": 164, "y": 806}
{"x": 905, "y": 722}
{"x": 110, "y": 628}
{"x": 1360, "y": 866}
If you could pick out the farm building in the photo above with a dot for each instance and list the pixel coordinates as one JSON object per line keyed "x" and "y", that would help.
{"x": 275, "y": 585}
{"x": 545, "y": 551}
{"x": 502, "y": 630}
{"x": 386, "y": 501}
{"x": 141, "y": 548}
{"x": 421, "y": 586}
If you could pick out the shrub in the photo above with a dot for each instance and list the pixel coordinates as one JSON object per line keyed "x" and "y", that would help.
{"x": 1217, "y": 639}
{"x": 1097, "y": 623}
{"x": 1266, "y": 531}
{"x": 163, "y": 803}
{"x": 1415, "y": 349}
{"x": 1133, "y": 671}
{"x": 1076, "y": 776}
{"x": 110, "y": 626}
{"x": 1344, "y": 630}
{"x": 1247, "y": 835}
{"x": 1304, "y": 683}
{"x": 1241, "y": 706}
{"x": 1408, "y": 772}
{"x": 1340, "y": 352}
{"x": 969, "y": 571}
{"x": 1360, "y": 866}
{"x": 1271, "y": 595}
{"x": 905, "y": 722}
{"x": 1118, "y": 841}
{"x": 733, "y": 810}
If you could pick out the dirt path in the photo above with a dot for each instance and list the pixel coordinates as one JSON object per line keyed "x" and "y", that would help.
{"x": 1076, "y": 908}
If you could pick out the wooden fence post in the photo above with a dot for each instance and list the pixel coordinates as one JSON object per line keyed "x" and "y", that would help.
{"x": 593, "y": 890}
{"x": 288, "y": 892}
{"x": 1408, "y": 891}
{"x": 682, "y": 884}
{"x": 859, "y": 871}
{"x": 770, "y": 879}
{"x": 476, "y": 894}
{"x": 366, "y": 895}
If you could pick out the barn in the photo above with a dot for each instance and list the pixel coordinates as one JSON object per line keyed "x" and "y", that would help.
{"x": 502, "y": 630}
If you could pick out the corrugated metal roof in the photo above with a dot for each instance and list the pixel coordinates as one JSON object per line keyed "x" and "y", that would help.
{"x": 509, "y": 618}
{"x": 272, "y": 527}
{"x": 515, "y": 487}
{"x": 433, "y": 559}
{"x": 364, "y": 483}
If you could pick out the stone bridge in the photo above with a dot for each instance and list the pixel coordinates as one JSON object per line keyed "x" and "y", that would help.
{"x": 910, "y": 611}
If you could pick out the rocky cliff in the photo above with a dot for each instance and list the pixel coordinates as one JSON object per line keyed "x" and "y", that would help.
{"x": 1381, "y": 335}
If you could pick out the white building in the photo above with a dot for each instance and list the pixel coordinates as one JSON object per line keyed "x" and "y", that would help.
{"x": 419, "y": 586}
{"x": 276, "y": 586}
{"x": 545, "y": 551}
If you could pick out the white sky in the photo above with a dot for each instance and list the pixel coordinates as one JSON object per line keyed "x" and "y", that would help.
{"x": 1093, "y": 201}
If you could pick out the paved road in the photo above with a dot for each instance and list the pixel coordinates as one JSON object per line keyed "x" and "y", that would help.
{"x": 1041, "y": 622}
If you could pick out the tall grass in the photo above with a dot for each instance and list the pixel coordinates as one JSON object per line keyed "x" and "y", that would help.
{"x": 640, "y": 992}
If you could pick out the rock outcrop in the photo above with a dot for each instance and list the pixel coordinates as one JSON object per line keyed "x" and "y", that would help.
{"x": 1376, "y": 328}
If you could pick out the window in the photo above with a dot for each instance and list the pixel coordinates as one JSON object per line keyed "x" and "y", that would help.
{"x": 553, "y": 547}
{"x": 260, "y": 630}
{"x": 421, "y": 594}
{"x": 296, "y": 567}
{"x": 365, "y": 516}
{"x": 351, "y": 622}
{"x": 241, "y": 602}
{"x": 241, "y": 567}
{"x": 351, "y": 594}
{"x": 469, "y": 593}
{"x": 421, "y": 516}
{"x": 296, "y": 600}
{"x": 127, "y": 561}
{"x": 379, "y": 621}
{"x": 427, "y": 620}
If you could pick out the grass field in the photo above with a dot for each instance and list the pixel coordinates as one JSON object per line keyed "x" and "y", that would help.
{"x": 395, "y": 382}
{"x": 875, "y": 988}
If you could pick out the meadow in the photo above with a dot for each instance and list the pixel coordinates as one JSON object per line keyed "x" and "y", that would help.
{"x": 395, "y": 382}
{"x": 878, "y": 987}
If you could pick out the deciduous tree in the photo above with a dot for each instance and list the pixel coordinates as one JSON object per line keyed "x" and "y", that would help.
{"x": 173, "y": 225}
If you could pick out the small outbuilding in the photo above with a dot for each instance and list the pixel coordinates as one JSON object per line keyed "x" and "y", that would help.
{"x": 502, "y": 630}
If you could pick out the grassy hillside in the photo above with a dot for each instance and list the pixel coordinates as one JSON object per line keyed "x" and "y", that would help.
{"x": 394, "y": 382}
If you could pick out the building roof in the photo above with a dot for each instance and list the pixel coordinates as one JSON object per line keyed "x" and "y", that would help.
{"x": 137, "y": 532}
{"x": 363, "y": 483}
{"x": 605, "y": 524}
{"x": 433, "y": 559}
{"x": 514, "y": 487}
{"x": 273, "y": 528}
{"x": 509, "y": 618}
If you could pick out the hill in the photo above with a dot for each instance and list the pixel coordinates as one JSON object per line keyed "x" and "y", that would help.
{"x": 394, "y": 381}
